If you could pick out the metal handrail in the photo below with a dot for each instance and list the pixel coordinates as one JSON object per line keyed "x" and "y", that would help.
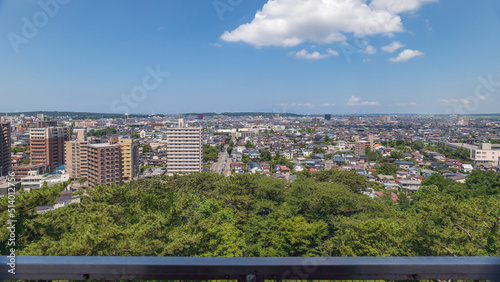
{"x": 250, "y": 269}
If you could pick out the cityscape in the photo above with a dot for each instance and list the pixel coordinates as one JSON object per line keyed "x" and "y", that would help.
{"x": 232, "y": 140}
{"x": 394, "y": 152}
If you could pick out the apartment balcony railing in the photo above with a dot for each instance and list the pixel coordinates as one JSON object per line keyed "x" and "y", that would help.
{"x": 251, "y": 269}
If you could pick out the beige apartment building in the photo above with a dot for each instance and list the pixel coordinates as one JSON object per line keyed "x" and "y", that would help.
{"x": 5, "y": 160}
{"x": 47, "y": 146}
{"x": 108, "y": 163}
{"x": 360, "y": 146}
{"x": 130, "y": 158}
{"x": 184, "y": 149}
{"x": 76, "y": 153}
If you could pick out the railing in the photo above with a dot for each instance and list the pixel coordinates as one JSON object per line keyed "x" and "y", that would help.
{"x": 249, "y": 269}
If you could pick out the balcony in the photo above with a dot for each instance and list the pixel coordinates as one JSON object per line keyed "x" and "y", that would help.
{"x": 252, "y": 269}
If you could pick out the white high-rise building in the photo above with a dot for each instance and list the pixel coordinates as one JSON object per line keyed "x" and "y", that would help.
{"x": 184, "y": 149}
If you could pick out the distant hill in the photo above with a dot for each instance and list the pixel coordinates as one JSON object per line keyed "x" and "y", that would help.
{"x": 238, "y": 114}
{"x": 82, "y": 115}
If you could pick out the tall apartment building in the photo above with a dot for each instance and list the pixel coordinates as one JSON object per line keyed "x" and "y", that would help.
{"x": 184, "y": 149}
{"x": 104, "y": 164}
{"x": 47, "y": 146}
{"x": 130, "y": 158}
{"x": 361, "y": 145}
{"x": 5, "y": 160}
{"x": 76, "y": 159}
{"x": 108, "y": 163}
{"x": 81, "y": 134}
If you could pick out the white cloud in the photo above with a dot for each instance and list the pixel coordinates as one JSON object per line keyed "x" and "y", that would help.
{"x": 332, "y": 52}
{"x": 399, "y": 6}
{"x": 391, "y": 48}
{"x": 357, "y": 101}
{"x": 367, "y": 60}
{"x": 405, "y": 104}
{"x": 303, "y": 54}
{"x": 406, "y": 55}
{"x": 215, "y": 44}
{"x": 454, "y": 101}
{"x": 369, "y": 50}
{"x": 327, "y": 105}
{"x": 428, "y": 25}
{"x": 288, "y": 23}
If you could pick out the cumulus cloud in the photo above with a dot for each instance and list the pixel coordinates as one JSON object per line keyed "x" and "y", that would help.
{"x": 332, "y": 52}
{"x": 303, "y": 54}
{"x": 369, "y": 50}
{"x": 357, "y": 101}
{"x": 287, "y": 23}
{"x": 406, "y": 55}
{"x": 391, "y": 48}
{"x": 215, "y": 44}
{"x": 399, "y": 6}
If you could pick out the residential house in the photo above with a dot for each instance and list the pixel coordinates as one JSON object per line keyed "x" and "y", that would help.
{"x": 409, "y": 185}
{"x": 403, "y": 164}
{"x": 254, "y": 167}
{"x": 237, "y": 157}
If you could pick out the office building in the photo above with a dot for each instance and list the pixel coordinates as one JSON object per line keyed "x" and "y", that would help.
{"x": 130, "y": 158}
{"x": 328, "y": 117}
{"x": 5, "y": 160}
{"x": 483, "y": 154}
{"x": 200, "y": 116}
{"x": 47, "y": 146}
{"x": 184, "y": 149}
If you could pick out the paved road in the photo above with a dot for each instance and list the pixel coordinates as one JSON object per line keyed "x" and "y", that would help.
{"x": 222, "y": 163}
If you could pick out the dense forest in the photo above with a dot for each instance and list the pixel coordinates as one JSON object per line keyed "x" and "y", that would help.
{"x": 205, "y": 214}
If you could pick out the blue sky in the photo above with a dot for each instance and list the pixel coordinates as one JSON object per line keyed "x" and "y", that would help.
{"x": 213, "y": 56}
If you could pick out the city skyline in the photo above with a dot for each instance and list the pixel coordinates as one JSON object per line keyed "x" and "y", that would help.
{"x": 305, "y": 57}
